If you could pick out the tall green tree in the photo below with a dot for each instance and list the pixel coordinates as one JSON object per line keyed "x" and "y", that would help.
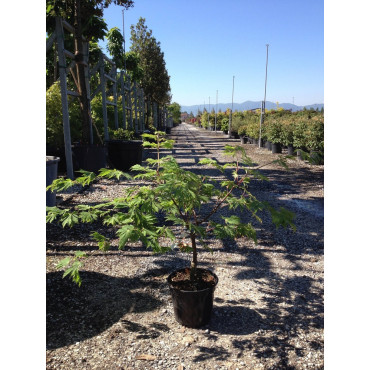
{"x": 175, "y": 109}
{"x": 115, "y": 46}
{"x": 155, "y": 80}
{"x": 87, "y": 18}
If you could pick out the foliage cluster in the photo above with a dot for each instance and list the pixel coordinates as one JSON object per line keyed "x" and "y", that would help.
{"x": 54, "y": 117}
{"x": 121, "y": 134}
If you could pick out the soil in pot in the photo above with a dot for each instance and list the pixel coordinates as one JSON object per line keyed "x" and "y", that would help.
{"x": 192, "y": 300}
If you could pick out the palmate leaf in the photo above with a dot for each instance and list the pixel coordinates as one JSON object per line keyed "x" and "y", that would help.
{"x": 74, "y": 273}
{"x": 103, "y": 242}
{"x": 232, "y": 220}
{"x": 160, "y": 133}
{"x": 73, "y": 270}
{"x": 105, "y": 172}
{"x": 86, "y": 179}
{"x": 147, "y": 144}
{"x": 168, "y": 144}
{"x": 282, "y": 217}
{"x": 125, "y": 233}
{"x": 53, "y": 213}
{"x": 211, "y": 162}
{"x": 60, "y": 184}
{"x": 88, "y": 216}
{"x": 258, "y": 175}
{"x": 63, "y": 263}
{"x": 149, "y": 136}
{"x": 233, "y": 150}
{"x": 69, "y": 219}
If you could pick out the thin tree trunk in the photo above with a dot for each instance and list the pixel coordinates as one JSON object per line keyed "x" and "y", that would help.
{"x": 194, "y": 262}
{"x": 80, "y": 67}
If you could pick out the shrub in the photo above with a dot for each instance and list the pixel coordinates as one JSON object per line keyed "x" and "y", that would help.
{"x": 242, "y": 131}
{"x": 315, "y": 134}
{"x": 287, "y": 137}
{"x": 274, "y": 132}
{"x": 236, "y": 123}
{"x": 225, "y": 125}
{"x": 299, "y": 134}
{"x": 121, "y": 134}
{"x": 54, "y": 117}
{"x": 253, "y": 128}
{"x": 204, "y": 120}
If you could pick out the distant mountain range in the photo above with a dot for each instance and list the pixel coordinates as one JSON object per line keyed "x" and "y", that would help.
{"x": 247, "y": 105}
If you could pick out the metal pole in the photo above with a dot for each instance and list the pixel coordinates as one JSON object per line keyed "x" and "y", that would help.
{"x": 124, "y": 40}
{"x": 216, "y": 110}
{"x": 264, "y": 99}
{"x": 209, "y": 109}
{"x": 267, "y": 59}
{"x": 232, "y": 108}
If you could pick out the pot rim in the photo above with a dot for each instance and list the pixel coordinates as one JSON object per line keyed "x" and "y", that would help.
{"x": 192, "y": 291}
{"x": 51, "y": 159}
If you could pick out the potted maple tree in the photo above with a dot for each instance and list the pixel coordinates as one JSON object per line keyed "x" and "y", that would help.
{"x": 187, "y": 200}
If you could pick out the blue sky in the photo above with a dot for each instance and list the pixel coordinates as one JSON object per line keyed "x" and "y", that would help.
{"x": 207, "y": 42}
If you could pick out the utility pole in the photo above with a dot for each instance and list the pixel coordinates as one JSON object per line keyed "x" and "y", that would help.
{"x": 209, "y": 109}
{"x": 124, "y": 40}
{"x": 216, "y": 110}
{"x": 232, "y": 107}
{"x": 264, "y": 99}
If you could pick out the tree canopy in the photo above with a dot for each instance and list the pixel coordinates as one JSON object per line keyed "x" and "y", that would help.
{"x": 155, "y": 80}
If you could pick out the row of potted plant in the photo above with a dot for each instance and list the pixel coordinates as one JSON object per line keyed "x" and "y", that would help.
{"x": 294, "y": 132}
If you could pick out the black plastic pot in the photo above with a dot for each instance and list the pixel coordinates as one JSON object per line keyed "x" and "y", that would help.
{"x": 276, "y": 148}
{"x": 192, "y": 308}
{"x": 89, "y": 157}
{"x": 243, "y": 140}
{"x": 51, "y": 175}
{"x": 123, "y": 154}
{"x": 52, "y": 150}
{"x": 268, "y": 145}
{"x": 299, "y": 155}
{"x": 317, "y": 157}
{"x": 290, "y": 149}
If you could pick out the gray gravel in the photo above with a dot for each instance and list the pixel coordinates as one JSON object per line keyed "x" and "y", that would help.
{"x": 268, "y": 310}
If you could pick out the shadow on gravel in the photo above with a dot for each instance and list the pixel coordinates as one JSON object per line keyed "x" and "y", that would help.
{"x": 145, "y": 332}
{"x": 234, "y": 319}
{"x": 78, "y": 313}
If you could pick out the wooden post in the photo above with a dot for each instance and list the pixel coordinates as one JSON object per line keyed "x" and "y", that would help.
{"x": 87, "y": 82}
{"x": 155, "y": 115}
{"x": 135, "y": 102}
{"x": 63, "y": 92}
{"x": 104, "y": 96}
{"x": 142, "y": 109}
{"x": 123, "y": 94}
{"x": 129, "y": 100}
{"x": 114, "y": 72}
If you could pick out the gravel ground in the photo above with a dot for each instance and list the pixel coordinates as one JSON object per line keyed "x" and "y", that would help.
{"x": 269, "y": 302}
